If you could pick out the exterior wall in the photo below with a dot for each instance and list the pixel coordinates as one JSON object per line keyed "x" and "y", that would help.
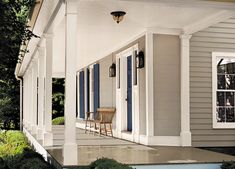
{"x": 166, "y": 85}
{"x": 217, "y": 38}
{"x": 107, "y": 84}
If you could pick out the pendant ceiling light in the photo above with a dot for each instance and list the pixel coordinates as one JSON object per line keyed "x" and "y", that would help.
{"x": 118, "y": 15}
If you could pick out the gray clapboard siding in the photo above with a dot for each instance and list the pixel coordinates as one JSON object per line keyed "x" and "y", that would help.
{"x": 217, "y": 38}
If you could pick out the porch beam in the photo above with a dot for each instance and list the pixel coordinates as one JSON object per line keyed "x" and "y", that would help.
{"x": 185, "y": 104}
{"x": 149, "y": 86}
{"x": 41, "y": 60}
{"x": 48, "y": 136}
{"x": 70, "y": 145}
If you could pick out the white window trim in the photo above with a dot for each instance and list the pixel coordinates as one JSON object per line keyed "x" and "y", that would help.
{"x": 216, "y": 55}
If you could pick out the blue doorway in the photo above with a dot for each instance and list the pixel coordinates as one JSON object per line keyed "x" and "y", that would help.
{"x": 129, "y": 93}
{"x": 81, "y": 95}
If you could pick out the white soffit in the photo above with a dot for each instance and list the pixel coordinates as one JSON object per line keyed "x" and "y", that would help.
{"x": 98, "y": 34}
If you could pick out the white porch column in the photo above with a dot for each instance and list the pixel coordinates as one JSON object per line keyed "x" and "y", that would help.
{"x": 48, "y": 136}
{"x": 41, "y": 58}
{"x": 70, "y": 145}
{"x": 149, "y": 86}
{"x": 185, "y": 105}
{"x": 29, "y": 97}
{"x": 34, "y": 95}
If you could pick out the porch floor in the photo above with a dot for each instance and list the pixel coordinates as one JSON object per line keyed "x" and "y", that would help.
{"x": 90, "y": 147}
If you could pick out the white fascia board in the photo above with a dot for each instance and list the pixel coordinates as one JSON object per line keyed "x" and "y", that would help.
{"x": 208, "y": 21}
{"x": 167, "y": 31}
{"x": 190, "y": 3}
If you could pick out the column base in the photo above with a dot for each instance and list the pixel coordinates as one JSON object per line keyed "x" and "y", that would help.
{"x": 39, "y": 134}
{"x": 70, "y": 154}
{"x": 186, "y": 139}
{"x": 47, "y": 139}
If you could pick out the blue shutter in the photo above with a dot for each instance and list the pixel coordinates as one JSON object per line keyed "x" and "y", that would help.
{"x": 88, "y": 89}
{"x": 96, "y": 87}
{"x": 81, "y": 95}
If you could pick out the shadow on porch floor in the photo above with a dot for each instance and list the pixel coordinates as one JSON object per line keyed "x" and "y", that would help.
{"x": 90, "y": 147}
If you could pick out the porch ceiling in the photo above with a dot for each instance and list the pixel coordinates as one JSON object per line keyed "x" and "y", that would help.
{"x": 98, "y": 35}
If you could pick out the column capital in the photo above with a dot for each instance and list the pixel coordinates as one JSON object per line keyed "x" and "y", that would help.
{"x": 71, "y": 6}
{"x": 185, "y": 36}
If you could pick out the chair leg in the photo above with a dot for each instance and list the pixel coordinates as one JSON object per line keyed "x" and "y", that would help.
{"x": 85, "y": 126}
{"x": 95, "y": 127}
{"x": 99, "y": 129}
{"x": 90, "y": 127}
{"x": 111, "y": 130}
{"x": 105, "y": 130}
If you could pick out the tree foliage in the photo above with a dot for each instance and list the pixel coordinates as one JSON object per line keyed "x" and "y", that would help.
{"x": 57, "y": 97}
{"x": 13, "y": 33}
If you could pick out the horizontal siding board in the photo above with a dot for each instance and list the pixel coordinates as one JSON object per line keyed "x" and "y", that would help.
{"x": 211, "y": 49}
{"x": 201, "y": 126}
{"x": 199, "y": 79}
{"x": 200, "y": 74}
{"x": 220, "y": 30}
{"x": 201, "y": 64}
{"x": 217, "y": 38}
{"x": 225, "y": 25}
{"x": 201, "y": 84}
{"x": 214, "y": 34}
{"x": 201, "y": 94}
{"x": 201, "y": 110}
{"x": 201, "y": 120}
{"x": 213, "y": 45}
{"x": 200, "y": 116}
{"x": 213, "y": 40}
{"x": 200, "y": 100}
{"x": 213, "y": 137}
{"x": 200, "y": 54}
{"x": 213, "y": 132}
{"x": 231, "y": 20}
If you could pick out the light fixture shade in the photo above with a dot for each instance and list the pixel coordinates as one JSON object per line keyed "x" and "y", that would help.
{"x": 112, "y": 70}
{"x": 140, "y": 60}
{"x": 118, "y": 15}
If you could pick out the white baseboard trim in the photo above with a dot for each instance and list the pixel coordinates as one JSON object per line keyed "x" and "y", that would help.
{"x": 160, "y": 140}
{"x": 38, "y": 147}
{"x": 80, "y": 125}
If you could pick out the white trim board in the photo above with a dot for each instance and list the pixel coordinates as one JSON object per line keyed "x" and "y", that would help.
{"x": 38, "y": 147}
{"x": 208, "y": 21}
{"x": 160, "y": 140}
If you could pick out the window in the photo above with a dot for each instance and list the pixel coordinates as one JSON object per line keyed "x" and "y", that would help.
{"x": 223, "y": 65}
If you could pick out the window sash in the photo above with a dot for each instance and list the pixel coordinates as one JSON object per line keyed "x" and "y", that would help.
{"x": 215, "y": 56}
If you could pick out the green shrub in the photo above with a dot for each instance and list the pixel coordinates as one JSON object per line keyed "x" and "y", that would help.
{"x": 12, "y": 143}
{"x": 228, "y": 165}
{"x": 105, "y": 163}
{"x": 58, "y": 121}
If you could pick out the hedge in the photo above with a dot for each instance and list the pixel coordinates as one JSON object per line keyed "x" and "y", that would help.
{"x": 58, "y": 121}
{"x": 12, "y": 143}
{"x": 16, "y": 153}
